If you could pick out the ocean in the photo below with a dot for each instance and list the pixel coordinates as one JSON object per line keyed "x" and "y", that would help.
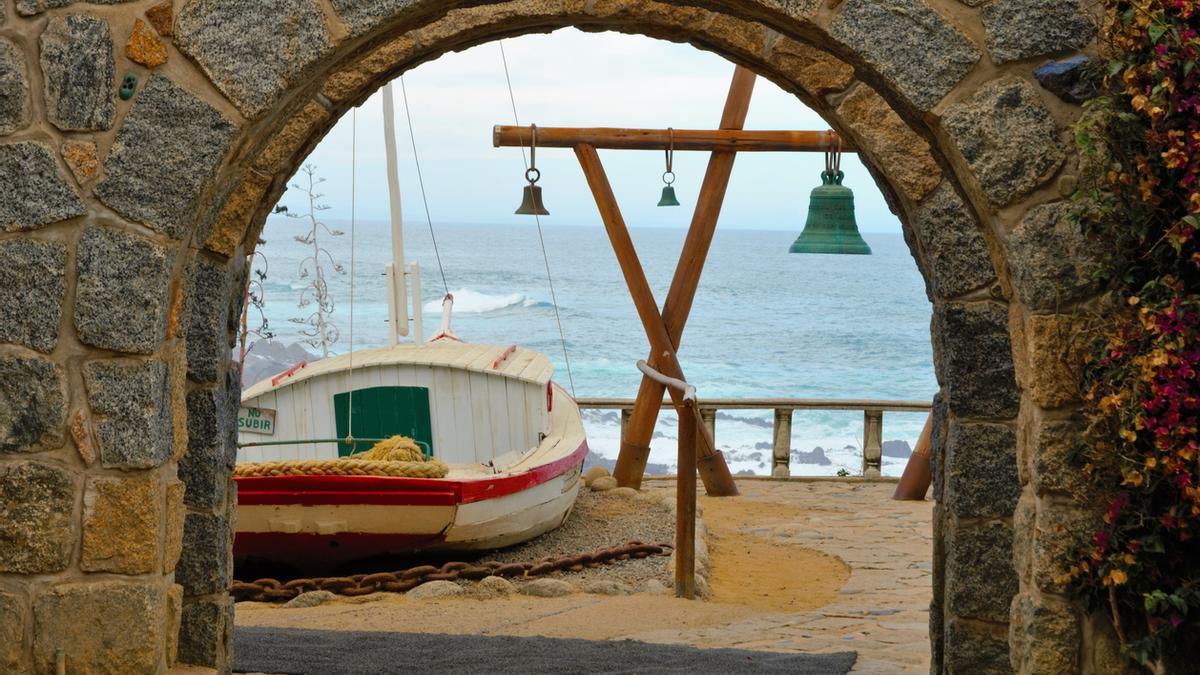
{"x": 765, "y": 323}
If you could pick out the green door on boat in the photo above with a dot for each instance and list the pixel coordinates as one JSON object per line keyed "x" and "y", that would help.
{"x": 380, "y": 412}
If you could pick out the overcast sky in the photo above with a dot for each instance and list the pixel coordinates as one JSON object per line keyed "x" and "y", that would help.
{"x": 571, "y": 78}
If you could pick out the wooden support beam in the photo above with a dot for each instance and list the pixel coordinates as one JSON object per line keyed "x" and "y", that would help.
{"x": 685, "y": 483}
{"x": 635, "y": 451}
{"x": 717, "y": 479}
{"x": 685, "y": 504}
{"x": 708, "y": 140}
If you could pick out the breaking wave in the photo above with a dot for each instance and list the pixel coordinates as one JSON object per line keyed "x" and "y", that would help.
{"x": 467, "y": 301}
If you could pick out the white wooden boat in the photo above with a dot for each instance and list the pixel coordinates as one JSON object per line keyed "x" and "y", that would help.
{"x": 513, "y": 440}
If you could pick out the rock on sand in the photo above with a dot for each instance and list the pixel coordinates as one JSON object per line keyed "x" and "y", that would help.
{"x": 604, "y": 587}
{"x": 594, "y": 473}
{"x": 309, "y": 599}
{"x": 494, "y": 587}
{"x": 436, "y": 589}
{"x": 603, "y": 483}
{"x": 548, "y": 588}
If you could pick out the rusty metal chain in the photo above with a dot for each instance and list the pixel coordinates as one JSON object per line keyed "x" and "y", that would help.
{"x": 273, "y": 590}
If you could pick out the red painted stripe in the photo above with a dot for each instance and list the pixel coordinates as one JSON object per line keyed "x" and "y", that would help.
{"x": 288, "y": 373}
{"x": 507, "y": 352}
{"x": 366, "y": 497}
{"x": 316, "y": 490}
{"x": 479, "y": 490}
{"x": 293, "y": 548}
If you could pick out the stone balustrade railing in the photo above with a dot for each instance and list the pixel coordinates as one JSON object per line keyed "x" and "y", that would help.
{"x": 784, "y": 407}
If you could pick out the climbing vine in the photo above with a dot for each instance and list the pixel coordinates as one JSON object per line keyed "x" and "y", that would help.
{"x": 1142, "y": 564}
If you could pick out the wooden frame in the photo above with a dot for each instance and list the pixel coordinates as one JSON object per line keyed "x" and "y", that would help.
{"x": 719, "y": 140}
{"x": 665, "y": 329}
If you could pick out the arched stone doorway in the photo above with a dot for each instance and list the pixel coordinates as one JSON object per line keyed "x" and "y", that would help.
{"x": 126, "y": 222}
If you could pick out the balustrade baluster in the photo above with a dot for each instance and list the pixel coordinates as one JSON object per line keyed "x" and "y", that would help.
{"x": 781, "y": 447}
{"x": 872, "y": 443}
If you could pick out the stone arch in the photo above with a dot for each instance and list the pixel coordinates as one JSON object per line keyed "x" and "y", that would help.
{"x": 128, "y": 374}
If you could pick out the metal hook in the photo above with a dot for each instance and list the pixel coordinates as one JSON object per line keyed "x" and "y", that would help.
{"x": 833, "y": 152}
{"x": 670, "y": 159}
{"x": 532, "y": 174}
{"x": 670, "y": 148}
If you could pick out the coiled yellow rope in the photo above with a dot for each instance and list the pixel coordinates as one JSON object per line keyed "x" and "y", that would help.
{"x": 397, "y": 456}
{"x": 394, "y": 449}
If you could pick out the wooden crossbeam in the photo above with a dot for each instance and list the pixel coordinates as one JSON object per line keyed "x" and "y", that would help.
{"x": 709, "y": 140}
{"x": 635, "y": 451}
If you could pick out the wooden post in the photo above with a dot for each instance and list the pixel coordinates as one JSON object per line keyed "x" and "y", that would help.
{"x": 872, "y": 443}
{"x": 713, "y": 470}
{"x": 781, "y": 447}
{"x": 625, "y": 414}
{"x": 631, "y": 462}
{"x": 685, "y": 505}
{"x": 914, "y": 483}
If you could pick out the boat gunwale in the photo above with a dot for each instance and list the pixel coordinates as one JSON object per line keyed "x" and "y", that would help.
{"x": 434, "y": 355}
{"x": 398, "y": 490}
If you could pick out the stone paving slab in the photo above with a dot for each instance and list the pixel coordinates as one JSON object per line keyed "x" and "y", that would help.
{"x": 325, "y": 652}
{"x": 883, "y": 610}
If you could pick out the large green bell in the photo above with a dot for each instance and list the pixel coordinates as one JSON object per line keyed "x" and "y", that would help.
{"x": 831, "y": 227}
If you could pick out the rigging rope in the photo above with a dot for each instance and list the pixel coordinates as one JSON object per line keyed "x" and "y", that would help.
{"x": 343, "y": 467}
{"x": 353, "y": 197}
{"x": 538, "y": 221}
{"x": 421, "y": 182}
{"x": 395, "y": 456}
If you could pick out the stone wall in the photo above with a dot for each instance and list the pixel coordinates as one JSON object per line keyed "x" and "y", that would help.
{"x": 126, "y": 221}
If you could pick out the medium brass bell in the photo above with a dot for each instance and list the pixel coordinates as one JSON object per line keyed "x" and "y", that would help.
{"x": 831, "y": 227}
{"x": 531, "y": 199}
{"x": 531, "y": 202}
{"x": 668, "y": 196}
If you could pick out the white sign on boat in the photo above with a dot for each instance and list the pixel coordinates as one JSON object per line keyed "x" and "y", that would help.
{"x": 256, "y": 421}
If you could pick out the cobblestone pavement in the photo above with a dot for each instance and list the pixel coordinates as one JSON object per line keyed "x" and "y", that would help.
{"x": 883, "y": 610}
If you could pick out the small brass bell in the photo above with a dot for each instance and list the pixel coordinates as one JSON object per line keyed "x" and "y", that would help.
{"x": 668, "y": 177}
{"x": 531, "y": 199}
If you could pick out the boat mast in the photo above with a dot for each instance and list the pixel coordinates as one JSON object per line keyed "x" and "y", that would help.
{"x": 397, "y": 291}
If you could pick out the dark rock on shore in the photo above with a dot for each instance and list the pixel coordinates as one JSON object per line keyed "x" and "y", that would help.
{"x": 899, "y": 449}
{"x": 596, "y": 459}
{"x": 266, "y": 358}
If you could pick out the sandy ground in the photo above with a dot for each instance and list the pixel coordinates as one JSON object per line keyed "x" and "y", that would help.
{"x": 750, "y": 569}
{"x": 784, "y": 577}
